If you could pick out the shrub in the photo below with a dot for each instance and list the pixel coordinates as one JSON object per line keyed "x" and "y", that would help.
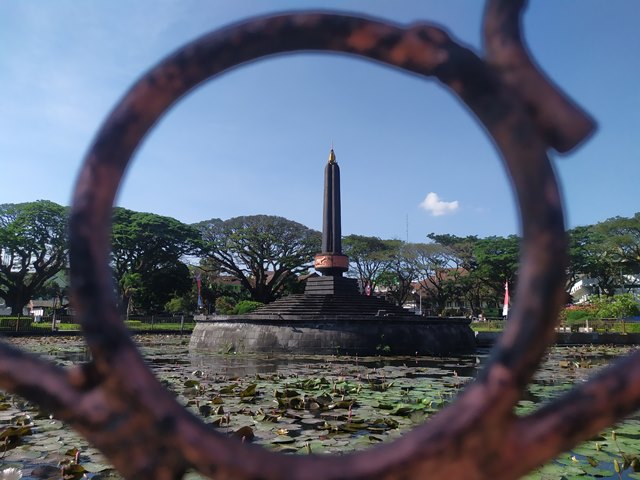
{"x": 577, "y": 314}
{"x": 10, "y": 322}
{"x": 492, "y": 312}
{"x": 225, "y": 305}
{"x": 178, "y": 305}
{"x": 618, "y": 306}
{"x": 246, "y": 306}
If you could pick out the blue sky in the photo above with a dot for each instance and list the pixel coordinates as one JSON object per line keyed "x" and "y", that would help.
{"x": 255, "y": 140}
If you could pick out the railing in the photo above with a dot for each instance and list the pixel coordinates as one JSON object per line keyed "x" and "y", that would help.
{"x": 605, "y": 325}
{"x": 115, "y": 397}
{"x": 71, "y": 324}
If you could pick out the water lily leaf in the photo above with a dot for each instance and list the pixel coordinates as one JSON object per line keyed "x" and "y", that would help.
{"x": 72, "y": 452}
{"x": 283, "y": 440}
{"x": 286, "y": 394}
{"x": 10, "y": 436}
{"x": 244, "y": 433}
{"x": 324, "y": 399}
{"x": 250, "y": 391}
{"x": 402, "y": 410}
{"x": 220, "y": 421}
{"x": 353, "y": 426}
{"x": 73, "y": 472}
{"x": 46, "y": 472}
{"x": 205, "y": 410}
{"x": 344, "y": 404}
{"x": 92, "y": 467}
{"x": 228, "y": 389}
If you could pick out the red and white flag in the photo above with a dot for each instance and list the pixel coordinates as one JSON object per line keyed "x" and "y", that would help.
{"x": 505, "y": 306}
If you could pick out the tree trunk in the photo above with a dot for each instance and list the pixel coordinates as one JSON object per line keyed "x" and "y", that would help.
{"x": 17, "y": 299}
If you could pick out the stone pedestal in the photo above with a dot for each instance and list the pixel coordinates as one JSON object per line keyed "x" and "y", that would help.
{"x": 331, "y": 286}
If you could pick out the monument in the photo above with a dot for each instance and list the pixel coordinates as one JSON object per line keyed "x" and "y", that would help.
{"x": 332, "y": 316}
{"x": 330, "y": 262}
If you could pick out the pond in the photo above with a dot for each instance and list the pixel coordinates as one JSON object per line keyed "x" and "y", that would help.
{"x": 307, "y": 404}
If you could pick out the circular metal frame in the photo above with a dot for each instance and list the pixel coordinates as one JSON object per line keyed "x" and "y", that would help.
{"x": 116, "y": 397}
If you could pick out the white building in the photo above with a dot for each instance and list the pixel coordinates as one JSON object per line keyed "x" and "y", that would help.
{"x": 584, "y": 287}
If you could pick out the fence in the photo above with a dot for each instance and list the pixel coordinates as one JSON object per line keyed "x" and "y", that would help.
{"x": 605, "y": 325}
{"x": 70, "y": 324}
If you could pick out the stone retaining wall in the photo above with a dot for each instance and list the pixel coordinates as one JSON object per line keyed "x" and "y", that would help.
{"x": 363, "y": 337}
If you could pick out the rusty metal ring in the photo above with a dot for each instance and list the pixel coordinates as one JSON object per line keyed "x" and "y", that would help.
{"x": 116, "y": 397}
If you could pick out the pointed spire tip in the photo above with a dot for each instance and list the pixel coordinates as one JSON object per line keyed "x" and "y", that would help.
{"x": 332, "y": 156}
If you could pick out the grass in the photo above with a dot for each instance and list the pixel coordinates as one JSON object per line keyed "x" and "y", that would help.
{"x": 599, "y": 326}
{"x": 134, "y": 326}
{"x": 490, "y": 326}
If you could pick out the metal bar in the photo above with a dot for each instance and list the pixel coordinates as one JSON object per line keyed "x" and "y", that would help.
{"x": 478, "y": 436}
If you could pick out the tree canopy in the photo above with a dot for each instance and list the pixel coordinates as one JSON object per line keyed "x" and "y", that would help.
{"x": 262, "y": 251}
{"x": 260, "y": 257}
{"x": 34, "y": 249}
{"x": 368, "y": 255}
{"x": 399, "y": 272}
{"x": 147, "y": 253}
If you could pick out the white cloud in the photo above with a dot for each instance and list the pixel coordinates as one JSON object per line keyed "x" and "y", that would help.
{"x": 437, "y": 207}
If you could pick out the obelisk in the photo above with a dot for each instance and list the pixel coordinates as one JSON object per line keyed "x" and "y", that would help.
{"x": 330, "y": 261}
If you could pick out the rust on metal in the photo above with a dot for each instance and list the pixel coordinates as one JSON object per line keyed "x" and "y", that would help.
{"x": 119, "y": 406}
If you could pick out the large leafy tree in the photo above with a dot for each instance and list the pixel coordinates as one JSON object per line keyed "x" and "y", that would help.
{"x": 215, "y": 284}
{"x": 399, "y": 272}
{"x": 436, "y": 273}
{"x": 498, "y": 260}
{"x": 621, "y": 240}
{"x": 369, "y": 257}
{"x": 592, "y": 253}
{"x": 262, "y": 251}
{"x": 147, "y": 254}
{"x": 470, "y": 283}
{"x": 581, "y": 249}
{"x": 33, "y": 247}
{"x": 623, "y": 235}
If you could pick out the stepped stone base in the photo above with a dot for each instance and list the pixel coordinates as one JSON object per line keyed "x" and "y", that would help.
{"x": 331, "y": 317}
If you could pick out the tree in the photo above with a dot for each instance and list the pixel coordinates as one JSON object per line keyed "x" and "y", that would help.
{"x": 369, "y": 255}
{"x": 592, "y": 254}
{"x": 147, "y": 252}
{"x": 498, "y": 259}
{"x": 56, "y": 288}
{"x": 435, "y": 273}
{"x": 33, "y": 248}
{"x": 471, "y": 286}
{"x": 181, "y": 304}
{"x": 616, "y": 306}
{"x": 581, "y": 242}
{"x": 262, "y": 251}
{"x": 214, "y": 284}
{"x": 623, "y": 235}
{"x": 621, "y": 240}
{"x": 399, "y": 271}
